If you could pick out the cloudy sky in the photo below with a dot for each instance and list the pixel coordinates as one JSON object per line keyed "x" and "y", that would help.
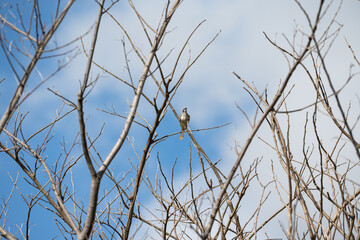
{"x": 209, "y": 89}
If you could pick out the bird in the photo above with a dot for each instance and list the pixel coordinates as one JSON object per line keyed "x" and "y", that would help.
{"x": 184, "y": 122}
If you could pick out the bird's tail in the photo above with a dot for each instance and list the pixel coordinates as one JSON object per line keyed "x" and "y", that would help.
{"x": 182, "y": 134}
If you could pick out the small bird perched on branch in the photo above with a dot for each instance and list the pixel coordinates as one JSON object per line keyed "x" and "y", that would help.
{"x": 184, "y": 122}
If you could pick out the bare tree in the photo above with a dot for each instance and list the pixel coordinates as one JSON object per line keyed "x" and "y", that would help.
{"x": 315, "y": 187}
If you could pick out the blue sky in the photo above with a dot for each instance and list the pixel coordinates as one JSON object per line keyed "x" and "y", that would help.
{"x": 209, "y": 90}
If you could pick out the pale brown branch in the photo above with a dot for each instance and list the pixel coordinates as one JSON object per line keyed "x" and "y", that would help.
{"x": 16, "y": 29}
{"x": 39, "y": 51}
{"x": 216, "y": 206}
